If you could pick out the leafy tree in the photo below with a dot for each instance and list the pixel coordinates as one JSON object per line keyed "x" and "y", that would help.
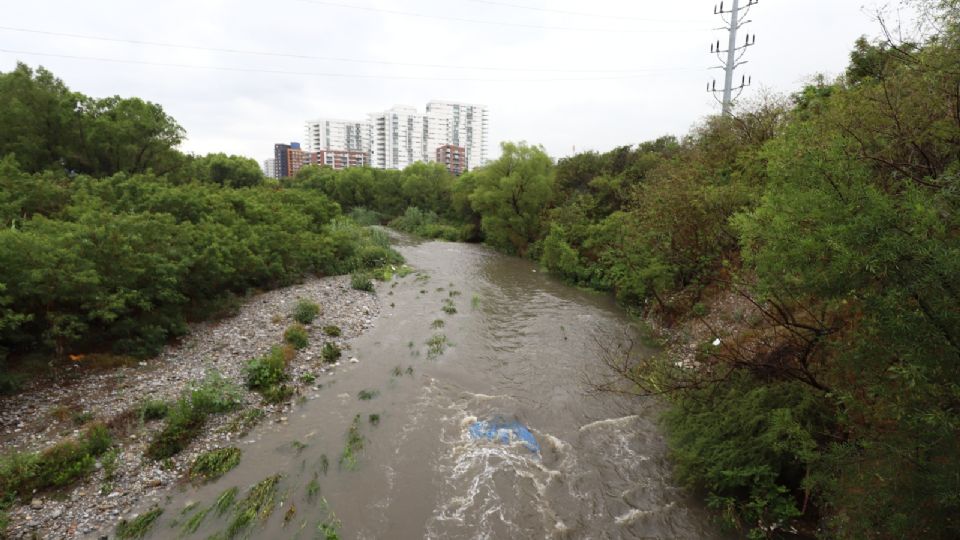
{"x": 224, "y": 170}
{"x": 511, "y": 194}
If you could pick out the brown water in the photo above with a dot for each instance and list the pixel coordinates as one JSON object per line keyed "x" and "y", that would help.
{"x": 521, "y": 346}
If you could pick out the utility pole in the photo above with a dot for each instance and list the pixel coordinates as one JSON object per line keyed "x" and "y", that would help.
{"x": 734, "y": 59}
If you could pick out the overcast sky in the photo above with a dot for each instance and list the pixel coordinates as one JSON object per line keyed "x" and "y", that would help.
{"x": 562, "y": 73}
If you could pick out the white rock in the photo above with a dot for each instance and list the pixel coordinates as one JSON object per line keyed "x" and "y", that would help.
{"x": 716, "y": 342}
{"x": 354, "y": 360}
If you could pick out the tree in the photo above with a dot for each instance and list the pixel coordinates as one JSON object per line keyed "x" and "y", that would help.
{"x": 511, "y": 195}
{"x": 224, "y": 170}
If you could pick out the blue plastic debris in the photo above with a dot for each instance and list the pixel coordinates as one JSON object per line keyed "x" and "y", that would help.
{"x": 504, "y": 432}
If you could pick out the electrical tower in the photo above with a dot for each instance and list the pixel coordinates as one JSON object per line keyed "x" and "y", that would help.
{"x": 734, "y": 54}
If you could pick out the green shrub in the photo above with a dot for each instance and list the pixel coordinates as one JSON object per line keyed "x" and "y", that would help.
{"x": 365, "y": 217}
{"x": 277, "y": 393}
{"x": 214, "y": 394}
{"x": 361, "y": 281}
{"x": 332, "y": 331}
{"x": 306, "y": 311}
{"x": 184, "y": 423}
{"x": 214, "y": 464}
{"x": 154, "y": 409}
{"x": 267, "y": 370}
{"x": 330, "y": 352}
{"x": 57, "y": 466}
{"x": 748, "y": 445}
{"x": 296, "y": 336}
{"x": 187, "y": 416}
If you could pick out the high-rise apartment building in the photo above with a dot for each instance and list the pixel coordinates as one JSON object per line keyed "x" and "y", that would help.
{"x": 453, "y": 157}
{"x": 326, "y": 134}
{"x": 290, "y": 158}
{"x": 462, "y": 124}
{"x": 401, "y": 136}
{"x": 269, "y": 168}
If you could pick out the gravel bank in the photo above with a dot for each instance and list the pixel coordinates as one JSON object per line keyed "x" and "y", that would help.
{"x": 46, "y": 412}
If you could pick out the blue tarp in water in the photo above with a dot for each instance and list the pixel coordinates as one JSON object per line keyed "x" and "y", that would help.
{"x": 504, "y": 432}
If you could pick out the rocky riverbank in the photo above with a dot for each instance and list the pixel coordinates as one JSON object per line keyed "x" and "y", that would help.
{"x": 50, "y": 410}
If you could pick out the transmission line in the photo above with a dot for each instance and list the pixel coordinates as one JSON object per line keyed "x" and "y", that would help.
{"x": 318, "y": 74}
{"x": 497, "y": 23}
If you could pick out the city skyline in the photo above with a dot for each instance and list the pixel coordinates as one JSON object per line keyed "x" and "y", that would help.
{"x": 401, "y": 135}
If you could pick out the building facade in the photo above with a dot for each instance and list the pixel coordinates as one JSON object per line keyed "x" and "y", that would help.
{"x": 464, "y": 125}
{"x": 401, "y": 136}
{"x": 341, "y": 159}
{"x": 269, "y": 168}
{"x": 326, "y": 134}
{"x": 290, "y": 158}
{"x": 453, "y": 157}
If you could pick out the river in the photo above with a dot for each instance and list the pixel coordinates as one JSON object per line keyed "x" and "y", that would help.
{"x": 520, "y": 346}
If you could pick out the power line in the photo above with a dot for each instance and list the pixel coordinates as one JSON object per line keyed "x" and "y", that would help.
{"x": 318, "y": 74}
{"x": 497, "y": 23}
{"x": 579, "y": 13}
{"x": 313, "y": 57}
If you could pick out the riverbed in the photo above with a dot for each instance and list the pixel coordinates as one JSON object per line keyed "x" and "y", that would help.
{"x": 472, "y": 336}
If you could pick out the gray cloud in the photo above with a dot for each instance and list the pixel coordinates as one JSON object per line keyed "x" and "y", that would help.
{"x": 245, "y": 112}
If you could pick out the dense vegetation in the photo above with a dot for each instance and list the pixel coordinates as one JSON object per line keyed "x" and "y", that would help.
{"x": 111, "y": 240}
{"x": 835, "y": 213}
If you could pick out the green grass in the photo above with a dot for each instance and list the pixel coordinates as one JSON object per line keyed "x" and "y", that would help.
{"x": 298, "y": 446}
{"x": 449, "y": 307}
{"x": 139, "y": 527}
{"x": 454, "y": 293}
{"x": 308, "y": 378}
{"x": 332, "y": 330}
{"x": 367, "y": 395}
{"x": 330, "y": 352}
{"x": 259, "y": 503}
{"x": 214, "y": 464}
{"x": 361, "y": 281}
{"x": 154, "y": 409}
{"x": 374, "y": 419}
{"x": 353, "y": 446}
{"x": 225, "y": 500}
{"x": 60, "y": 465}
{"x": 191, "y": 525}
{"x": 305, "y": 311}
{"x": 188, "y": 415}
{"x": 296, "y": 336}
{"x": 436, "y": 345}
{"x": 475, "y": 301}
{"x": 437, "y": 324}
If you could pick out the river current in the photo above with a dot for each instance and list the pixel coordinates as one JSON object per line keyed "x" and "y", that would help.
{"x": 521, "y": 346}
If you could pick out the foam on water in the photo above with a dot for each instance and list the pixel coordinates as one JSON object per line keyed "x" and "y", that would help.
{"x": 490, "y": 488}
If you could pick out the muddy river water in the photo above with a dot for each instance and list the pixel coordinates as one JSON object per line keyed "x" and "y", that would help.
{"x": 519, "y": 347}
